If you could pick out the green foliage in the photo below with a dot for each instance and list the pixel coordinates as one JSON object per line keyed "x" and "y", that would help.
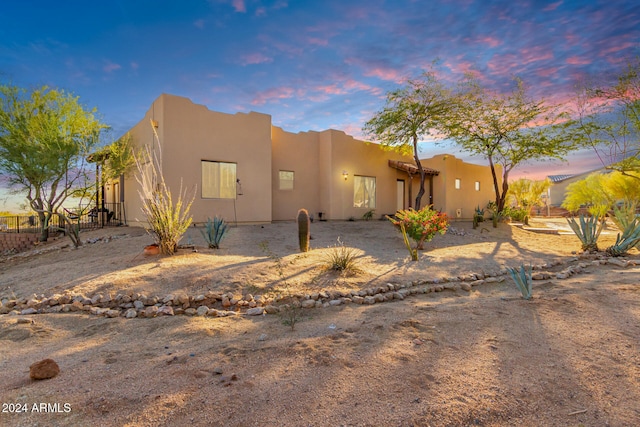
{"x": 590, "y": 192}
{"x": 291, "y": 314}
{"x": 118, "y": 158}
{"x": 523, "y": 280}
{"x": 588, "y": 231}
{"x": 478, "y": 216}
{"x": 516, "y": 214}
{"x": 342, "y": 258}
{"x": 609, "y": 120}
{"x": 629, "y": 238}
{"x": 526, "y": 193}
{"x": 214, "y": 231}
{"x": 368, "y": 216}
{"x": 410, "y": 114}
{"x": 505, "y": 129}
{"x": 421, "y": 226}
{"x": 167, "y": 220}
{"x": 304, "y": 230}
{"x": 45, "y": 136}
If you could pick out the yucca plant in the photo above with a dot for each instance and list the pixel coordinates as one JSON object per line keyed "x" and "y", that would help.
{"x": 588, "y": 230}
{"x": 214, "y": 231}
{"x": 168, "y": 219}
{"x": 629, "y": 238}
{"x": 342, "y": 258}
{"x": 522, "y": 278}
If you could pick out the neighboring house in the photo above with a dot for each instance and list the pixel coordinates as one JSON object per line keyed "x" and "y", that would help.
{"x": 559, "y": 184}
{"x": 248, "y": 171}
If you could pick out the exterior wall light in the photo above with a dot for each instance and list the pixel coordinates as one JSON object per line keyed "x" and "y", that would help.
{"x": 345, "y": 175}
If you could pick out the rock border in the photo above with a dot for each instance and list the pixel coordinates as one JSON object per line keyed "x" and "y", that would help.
{"x": 216, "y": 304}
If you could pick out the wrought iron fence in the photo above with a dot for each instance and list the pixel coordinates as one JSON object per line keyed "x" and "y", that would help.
{"x": 111, "y": 215}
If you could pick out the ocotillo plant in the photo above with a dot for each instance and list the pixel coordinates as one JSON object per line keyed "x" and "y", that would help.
{"x": 304, "y": 233}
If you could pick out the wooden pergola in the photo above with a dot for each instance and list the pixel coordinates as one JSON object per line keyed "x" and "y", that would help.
{"x": 411, "y": 169}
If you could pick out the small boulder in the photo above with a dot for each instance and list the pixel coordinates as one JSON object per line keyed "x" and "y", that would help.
{"x": 44, "y": 369}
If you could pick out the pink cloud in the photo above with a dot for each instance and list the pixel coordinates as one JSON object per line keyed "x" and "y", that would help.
{"x": 617, "y": 48}
{"x": 239, "y": 6}
{"x": 277, "y": 93}
{"x": 490, "y": 41}
{"x": 575, "y": 60}
{"x": 110, "y": 67}
{"x": 553, "y": 6}
{"x": 384, "y": 73}
{"x": 546, "y": 72}
{"x": 318, "y": 41}
{"x": 255, "y": 58}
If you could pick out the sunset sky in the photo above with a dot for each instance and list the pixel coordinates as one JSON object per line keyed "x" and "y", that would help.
{"x": 311, "y": 65}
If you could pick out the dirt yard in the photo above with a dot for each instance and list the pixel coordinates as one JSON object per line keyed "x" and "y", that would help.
{"x": 458, "y": 347}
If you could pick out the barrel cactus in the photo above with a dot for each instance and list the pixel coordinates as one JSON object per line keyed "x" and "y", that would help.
{"x": 304, "y": 233}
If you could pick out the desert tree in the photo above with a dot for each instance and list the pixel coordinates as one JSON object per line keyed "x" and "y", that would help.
{"x": 507, "y": 129}
{"x": 410, "y": 114}
{"x": 608, "y": 119}
{"x": 45, "y": 136}
{"x": 527, "y": 193}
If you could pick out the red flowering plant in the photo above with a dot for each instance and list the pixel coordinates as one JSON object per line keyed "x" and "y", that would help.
{"x": 421, "y": 226}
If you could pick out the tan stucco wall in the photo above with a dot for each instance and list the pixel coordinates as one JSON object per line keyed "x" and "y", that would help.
{"x": 190, "y": 133}
{"x": 447, "y": 198}
{"x": 299, "y": 154}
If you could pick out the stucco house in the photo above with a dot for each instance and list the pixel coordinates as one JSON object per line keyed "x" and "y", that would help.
{"x": 248, "y": 171}
{"x": 559, "y": 184}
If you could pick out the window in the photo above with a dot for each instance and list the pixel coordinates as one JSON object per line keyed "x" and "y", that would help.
{"x": 364, "y": 192}
{"x": 457, "y": 183}
{"x": 477, "y": 185}
{"x": 286, "y": 180}
{"x": 218, "y": 180}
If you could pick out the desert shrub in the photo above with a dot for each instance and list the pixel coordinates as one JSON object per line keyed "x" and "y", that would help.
{"x": 214, "y": 231}
{"x": 167, "y": 220}
{"x": 342, "y": 258}
{"x": 516, "y": 214}
{"x": 628, "y": 239}
{"x": 421, "y": 226}
{"x": 588, "y": 230}
{"x": 522, "y": 279}
{"x": 368, "y": 216}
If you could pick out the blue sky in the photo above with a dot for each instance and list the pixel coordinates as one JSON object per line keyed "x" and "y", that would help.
{"x": 311, "y": 65}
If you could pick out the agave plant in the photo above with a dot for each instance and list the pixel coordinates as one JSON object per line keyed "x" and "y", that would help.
{"x": 522, "y": 278}
{"x": 629, "y": 238}
{"x": 588, "y": 230}
{"x": 214, "y": 231}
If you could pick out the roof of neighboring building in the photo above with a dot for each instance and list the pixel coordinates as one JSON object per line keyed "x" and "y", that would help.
{"x": 411, "y": 168}
{"x": 559, "y": 178}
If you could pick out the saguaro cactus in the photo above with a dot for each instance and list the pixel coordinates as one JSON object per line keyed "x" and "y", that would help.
{"x": 304, "y": 234}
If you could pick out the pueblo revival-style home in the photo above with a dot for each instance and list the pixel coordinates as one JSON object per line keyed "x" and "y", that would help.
{"x": 246, "y": 170}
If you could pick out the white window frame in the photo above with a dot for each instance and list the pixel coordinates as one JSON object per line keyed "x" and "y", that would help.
{"x": 218, "y": 179}
{"x": 477, "y": 185}
{"x": 282, "y": 179}
{"x": 457, "y": 184}
{"x": 364, "y": 186}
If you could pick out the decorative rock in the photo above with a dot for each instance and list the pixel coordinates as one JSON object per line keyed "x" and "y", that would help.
{"x": 190, "y": 311}
{"x": 165, "y": 310}
{"x": 150, "y": 311}
{"x": 369, "y": 300}
{"x": 335, "y": 302}
{"x": 203, "y": 310}
{"x": 130, "y": 313}
{"x": 256, "y": 311}
{"x": 28, "y": 311}
{"x": 466, "y": 286}
{"x": 112, "y": 313}
{"x": 271, "y": 309}
{"x": 138, "y": 305}
{"x": 44, "y": 369}
{"x": 308, "y": 303}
